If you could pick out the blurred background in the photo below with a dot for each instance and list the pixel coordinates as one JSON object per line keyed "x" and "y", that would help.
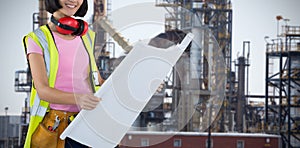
{"x": 259, "y": 41}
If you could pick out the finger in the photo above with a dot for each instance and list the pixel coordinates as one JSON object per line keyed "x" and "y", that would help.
{"x": 88, "y": 106}
{"x": 89, "y": 102}
{"x": 94, "y": 99}
{"x": 83, "y": 106}
{"x": 92, "y": 103}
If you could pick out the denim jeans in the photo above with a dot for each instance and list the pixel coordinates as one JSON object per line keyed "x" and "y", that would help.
{"x": 70, "y": 143}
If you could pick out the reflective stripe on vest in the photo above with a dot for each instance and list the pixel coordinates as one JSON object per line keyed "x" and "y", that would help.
{"x": 37, "y": 109}
{"x": 89, "y": 42}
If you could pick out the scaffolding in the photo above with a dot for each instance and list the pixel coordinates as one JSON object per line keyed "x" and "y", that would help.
{"x": 282, "y": 110}
{"x": 193, "y": 16}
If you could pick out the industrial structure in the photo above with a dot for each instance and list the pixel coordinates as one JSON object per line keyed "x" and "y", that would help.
{"x": 282, "y": 100}
{"x": 9, "y": 131}
{"x": 193, "y": 103}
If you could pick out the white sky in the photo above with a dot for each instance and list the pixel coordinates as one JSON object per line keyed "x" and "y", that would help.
{"x": 252, "y": 20}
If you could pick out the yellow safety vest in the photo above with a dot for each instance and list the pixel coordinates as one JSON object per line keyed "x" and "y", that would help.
{"x": 44, "y": 39}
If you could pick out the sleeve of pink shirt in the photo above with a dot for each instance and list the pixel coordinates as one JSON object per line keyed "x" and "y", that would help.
{"x": 32, "y": 47}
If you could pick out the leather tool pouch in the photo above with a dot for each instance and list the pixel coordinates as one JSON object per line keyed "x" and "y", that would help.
{"x": 43, "y": 137}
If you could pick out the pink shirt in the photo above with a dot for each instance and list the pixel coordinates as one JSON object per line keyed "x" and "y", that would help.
{"x": 72, "y": 74}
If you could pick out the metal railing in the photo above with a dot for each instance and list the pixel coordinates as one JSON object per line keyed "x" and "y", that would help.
{"x": 281, "y": 46}
{"x": 291, "y": 30}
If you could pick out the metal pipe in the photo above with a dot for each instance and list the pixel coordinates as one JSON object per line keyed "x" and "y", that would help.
{"x": 266, "y": 90}
{"x": 114, "y": 34}
{"x": 241, "y": 94}
{"x": 43, "y": 17}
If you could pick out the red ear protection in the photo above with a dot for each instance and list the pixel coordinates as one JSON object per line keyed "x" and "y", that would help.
{"x": 69, "y": 25}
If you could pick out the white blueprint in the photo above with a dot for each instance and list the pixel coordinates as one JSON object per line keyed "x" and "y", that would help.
{"x": 124, "y": 95}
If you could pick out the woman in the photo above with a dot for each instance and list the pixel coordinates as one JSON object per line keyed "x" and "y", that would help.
{"x": 64, "y": 73}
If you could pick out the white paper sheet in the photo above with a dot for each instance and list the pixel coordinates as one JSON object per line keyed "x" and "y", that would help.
{"x": 124, "y": 95}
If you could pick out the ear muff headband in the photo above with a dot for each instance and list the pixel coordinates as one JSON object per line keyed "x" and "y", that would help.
{"x": 63, "y": 26}
{"x": 82, "y": 28}
{"x": 69, "y": 25}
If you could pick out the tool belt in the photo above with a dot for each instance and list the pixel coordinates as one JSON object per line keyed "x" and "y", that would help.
{"x": 48, "y": 131}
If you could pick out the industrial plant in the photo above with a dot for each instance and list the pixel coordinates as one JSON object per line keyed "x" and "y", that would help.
{"x": 205, "y": 100}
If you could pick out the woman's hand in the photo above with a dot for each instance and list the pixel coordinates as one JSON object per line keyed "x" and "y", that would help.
{"x": 160, "y": 87}
{"x": 87, "y": 101}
